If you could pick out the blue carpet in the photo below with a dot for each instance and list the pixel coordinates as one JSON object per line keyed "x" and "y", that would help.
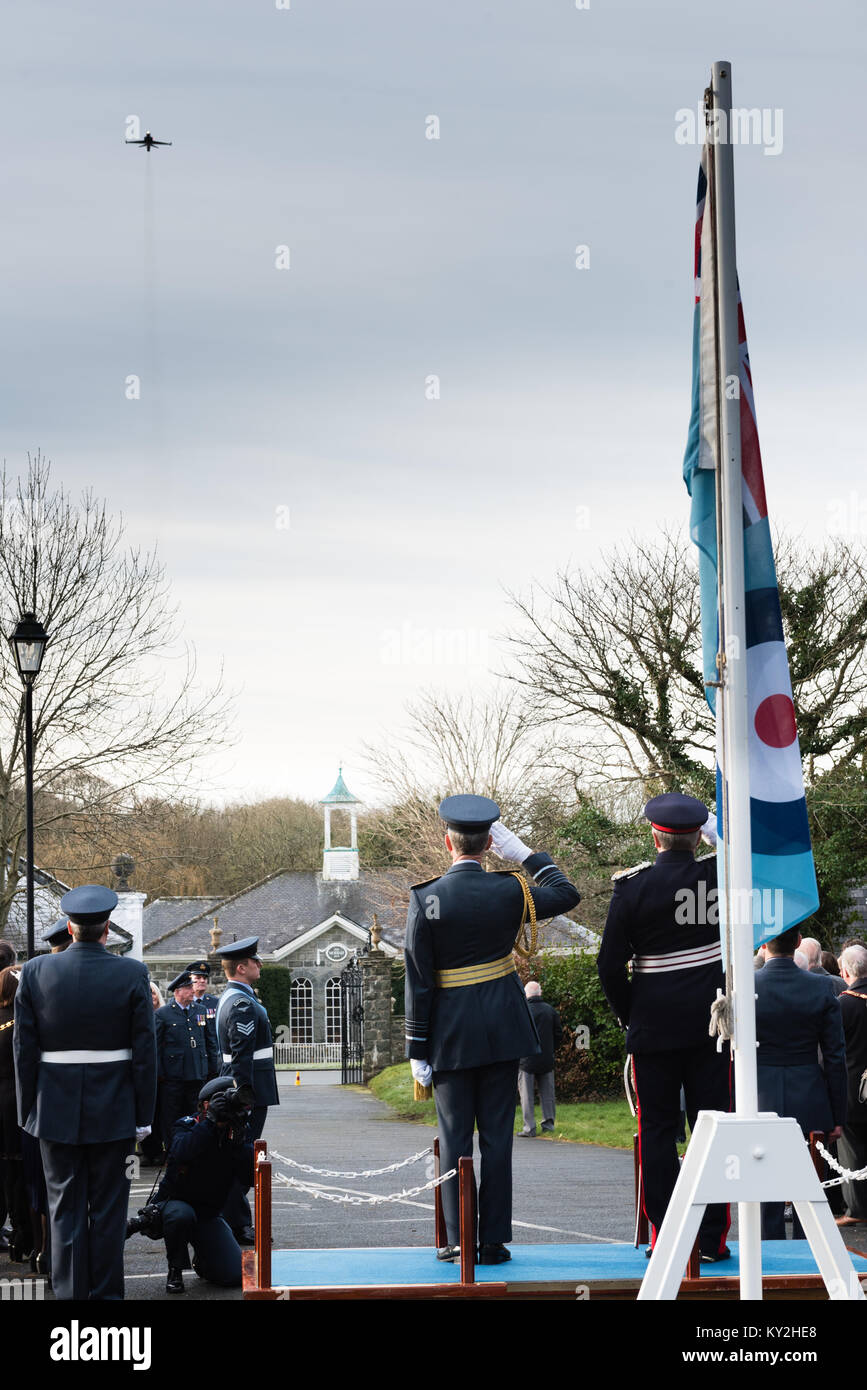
{"x": 532, "y": 1263}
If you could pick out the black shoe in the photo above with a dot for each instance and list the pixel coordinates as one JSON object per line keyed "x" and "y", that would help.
{"x": 20, "y": 1252}
{"x": 175, "y": 1280}
{"x": 526, "y": 1134}
{"x": 648, "y": 1252}
{"x": 449, "y": 1253}
{"x": 493, "y": 1254}
{"x": 715, "y": 1259}
{"x": 245, "y": 1235}
{"x": 547, "y": 1129}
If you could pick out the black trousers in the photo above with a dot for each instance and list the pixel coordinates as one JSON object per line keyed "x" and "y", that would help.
{"x": 88, "y": 1196}
{"x": 237, "y": 1209}
{"x": 177, "y": 1098}
{"x": 704, "y": 1075}
{"x": 217, "y": 1253}
{"x": 483, "y": 1096}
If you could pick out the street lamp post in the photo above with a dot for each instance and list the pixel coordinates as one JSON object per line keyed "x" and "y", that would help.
{"x": 28, "y": 642}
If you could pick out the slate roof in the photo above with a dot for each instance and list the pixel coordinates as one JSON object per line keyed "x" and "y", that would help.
{"x": 285, "y": 905}
{"x": 47, "y": 892}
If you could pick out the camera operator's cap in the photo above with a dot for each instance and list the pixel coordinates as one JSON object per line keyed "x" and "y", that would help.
{"x": 89, "y": 905}
{"x": 469, "y": 813}
{"x": 676, "y": 814}
{"x": 241, "y": 950}
{"x": 57, "y": 934}
{"x": 213, "y": 1088}
{"x": 199, "y": 967}
{"x": 180, "y": 980}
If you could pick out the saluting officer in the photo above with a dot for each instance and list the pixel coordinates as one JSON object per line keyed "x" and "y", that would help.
{"x": 199, "y": 972}
{"x": 85, "y": 1067}
{"x": 247, "y": 1050}
{"x": 186, "y": 1053}
{"x": 664, "y": 919}
{"x": 467, "y": 1020}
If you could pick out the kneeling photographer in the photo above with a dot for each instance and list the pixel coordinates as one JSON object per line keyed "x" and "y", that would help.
{"x": 208, "y": 1152}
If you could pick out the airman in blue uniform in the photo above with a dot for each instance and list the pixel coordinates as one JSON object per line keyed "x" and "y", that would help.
{"x": 85, "y": 1067}
{"x": 247, "y": 1051}
{"x": 467, "y": 1020}
{"x": 200, "y": 974}
{"x": 186, "y": 1053}
{"x": 664, "y": 920}
{"x": 58, "y": 937}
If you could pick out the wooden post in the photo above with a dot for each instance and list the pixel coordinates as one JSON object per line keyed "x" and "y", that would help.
{"x": 262, "y": 1213}
{"x": 467, "y": 1208}
{"x": 642, "y": 1230}
{"x": 440, "y": 1233}
{"x": 693, "y": 1264}
{"x": 817, "y": 1135}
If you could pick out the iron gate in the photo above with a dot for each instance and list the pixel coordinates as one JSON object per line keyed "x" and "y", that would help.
{"x": 352, "y": 1025}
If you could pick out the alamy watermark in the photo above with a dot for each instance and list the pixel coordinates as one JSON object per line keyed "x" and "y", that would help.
{"x": 747, "y": 126}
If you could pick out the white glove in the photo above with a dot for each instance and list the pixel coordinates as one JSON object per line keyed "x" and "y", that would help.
{"x": 421, "y": 1071}
{"x": 709, "y": 831}
{"x": 142, "y": 1132}
{"x": 507, "y": 845}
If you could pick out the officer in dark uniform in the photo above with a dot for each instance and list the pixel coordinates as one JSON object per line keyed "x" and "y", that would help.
{"x": 58, "y": 938}
{"x": 86, "y": 1077}
{"x": 199, "y": 972}
{"x": 467, "y": 1020}
{"x": 209, "y": 1154}
{"x": 186, "y": 1053}
{"x": 247, "y": 1051}
{"x": 664, "y": 919}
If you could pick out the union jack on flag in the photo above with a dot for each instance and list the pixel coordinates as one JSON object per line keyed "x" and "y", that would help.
{"x": 781, "y": 852}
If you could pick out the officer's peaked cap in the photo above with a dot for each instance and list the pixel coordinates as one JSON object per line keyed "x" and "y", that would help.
{"x": 675, "y": 813}
{"x": 180, "y": 980}
{"x": 241, "y": 950}
{"x": 469, "y": 813}
{"x": 199, "y": 967}
{"x": 58, "y": 933}
{"x": 89, "y": 905}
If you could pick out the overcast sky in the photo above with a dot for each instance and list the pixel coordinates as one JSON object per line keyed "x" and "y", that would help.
{"x": 299, "y": 394}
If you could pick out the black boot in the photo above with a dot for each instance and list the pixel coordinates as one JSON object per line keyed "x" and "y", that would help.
{"x": 175, "y": 1280}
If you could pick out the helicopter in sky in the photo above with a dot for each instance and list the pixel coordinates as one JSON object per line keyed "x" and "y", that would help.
{"x": 148, "y": 142}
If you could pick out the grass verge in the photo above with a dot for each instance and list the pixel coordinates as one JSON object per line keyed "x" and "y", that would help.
{"x": 606, "y": 1122}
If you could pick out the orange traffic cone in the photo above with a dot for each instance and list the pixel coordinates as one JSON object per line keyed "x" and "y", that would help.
{"x": 297, "y": 1078}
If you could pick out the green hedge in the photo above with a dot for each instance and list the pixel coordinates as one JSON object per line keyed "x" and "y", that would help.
{"x": 275, "y": 983}
{"x": 588, "y": 1066}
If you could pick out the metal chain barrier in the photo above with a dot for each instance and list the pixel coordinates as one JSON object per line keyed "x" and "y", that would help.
{"x": 846, "y": 1174}
{"x": 368, "y": 1172}
{"x": 353, "y": 1201}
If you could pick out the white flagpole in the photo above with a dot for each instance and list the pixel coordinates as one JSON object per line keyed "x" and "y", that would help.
{"x": 734, "y": 686}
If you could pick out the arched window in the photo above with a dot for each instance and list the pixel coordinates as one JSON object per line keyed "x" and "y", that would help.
{"x": 301, "y": 1012}
{"x": 332, "y": 1011}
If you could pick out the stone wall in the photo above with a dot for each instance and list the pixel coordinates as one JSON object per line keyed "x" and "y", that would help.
{"x": 378, "y": 1047}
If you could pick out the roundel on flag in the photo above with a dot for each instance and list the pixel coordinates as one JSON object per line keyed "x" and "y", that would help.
{"x": 776, "y": 773}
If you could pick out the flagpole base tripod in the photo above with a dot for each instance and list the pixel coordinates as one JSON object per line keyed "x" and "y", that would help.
{"x": 734, "y": 1158}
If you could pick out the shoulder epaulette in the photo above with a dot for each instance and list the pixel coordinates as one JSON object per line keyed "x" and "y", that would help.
{"x": 425, "y": 884}
{"x": 630, "y": 873}
{"x": 700, "y": 858}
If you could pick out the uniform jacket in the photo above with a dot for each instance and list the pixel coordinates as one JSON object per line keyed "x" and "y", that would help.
{"x": 85, "y": 998}
{"x": 209, "y": 1003}
{"x": 469, "y": 917}
{"x": 663, "y": 918}
{"x": 202, "y": 1165}
{"x": 550, "y": 1030}
{"x": 796, "y": 1014}
{"x": 186, "y": 1045}
{"x": 853, "y": 1011}
{"x": 243, "y": 1031}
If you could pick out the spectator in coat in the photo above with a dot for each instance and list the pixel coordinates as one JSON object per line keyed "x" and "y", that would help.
{"x": 852, "y": 1147}
{"x": 538, "y": 1071}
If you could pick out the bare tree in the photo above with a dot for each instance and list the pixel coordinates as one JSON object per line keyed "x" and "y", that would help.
{"x": 616, "y": 653}
{"x": 117, "y": 714}
{"x": 486, "y": 745}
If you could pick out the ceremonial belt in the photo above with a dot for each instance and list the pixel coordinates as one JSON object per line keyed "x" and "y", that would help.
{"x": 476, "y": 974}
{"x": 258, "y": 1056}
{"x": 76, "y": 1056}
{"x": 678, "y": 960}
